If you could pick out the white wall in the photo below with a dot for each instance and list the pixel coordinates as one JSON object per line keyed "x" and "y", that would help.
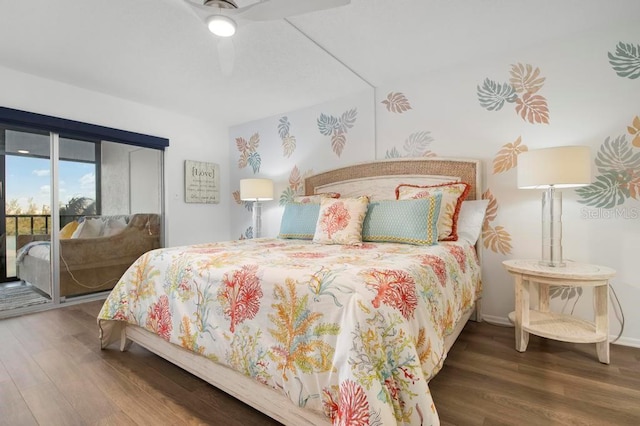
{"x": 588, "y": 104}
{"x": 310, "y": 152}
{"x": 189, "y": 139}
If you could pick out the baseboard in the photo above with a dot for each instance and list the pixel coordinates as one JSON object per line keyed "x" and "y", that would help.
{"x": 503, "y": 321}
{"x": 625, "y": 341}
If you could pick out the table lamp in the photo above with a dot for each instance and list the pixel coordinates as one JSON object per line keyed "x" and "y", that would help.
{"x": 256, "y": 190}
{"x": 551, "y": 169}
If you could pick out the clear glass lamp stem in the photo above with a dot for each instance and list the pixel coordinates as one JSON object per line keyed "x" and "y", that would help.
{"x": 257, "y": 225}
{"x": 552, "y": 228}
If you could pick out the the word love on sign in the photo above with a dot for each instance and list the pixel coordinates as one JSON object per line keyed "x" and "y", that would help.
{"x": 201, "y": 182}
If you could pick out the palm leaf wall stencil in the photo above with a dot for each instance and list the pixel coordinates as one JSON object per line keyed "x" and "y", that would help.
{"x": 626, "y": 60}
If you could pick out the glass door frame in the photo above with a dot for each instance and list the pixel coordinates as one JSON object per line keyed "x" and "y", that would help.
{"x": 54, "y": 254}
{"x": 6, "y": 151}
{"x": 56, "y": 128}
{"x": 3, "y": 218}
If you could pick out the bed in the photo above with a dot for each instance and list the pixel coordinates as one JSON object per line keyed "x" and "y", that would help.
{"x": 311, "y": 333}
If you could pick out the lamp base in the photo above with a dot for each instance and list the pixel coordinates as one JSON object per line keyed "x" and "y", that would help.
{"x": 257, "y": 221}
{"x": 552, "y": 228}
{"x": 552, "y": 264}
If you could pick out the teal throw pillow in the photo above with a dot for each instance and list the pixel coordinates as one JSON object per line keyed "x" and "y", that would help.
{"x": 403, "y": 221}
{"x": 299, "y": 221}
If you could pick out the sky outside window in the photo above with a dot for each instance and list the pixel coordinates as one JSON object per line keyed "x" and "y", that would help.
{"x": 29, "y": 177}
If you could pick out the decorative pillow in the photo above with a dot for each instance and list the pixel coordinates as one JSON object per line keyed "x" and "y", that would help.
{"x": 305, "y": 199}
{"x": 299, "y": 221}
{"x": 113, "y": 226}
{"x": 403, "y": 221}
{"x": 471, "y": 218}
{"x": 78, "y": 230}
{"x": 67, "y": 231}
{"x": 453, "y": 193}
{"x": 89, "y": 228}
{"x": 340, "y": 220}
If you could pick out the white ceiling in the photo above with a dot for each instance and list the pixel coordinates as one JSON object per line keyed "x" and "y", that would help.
{"x": 157, "y": 52}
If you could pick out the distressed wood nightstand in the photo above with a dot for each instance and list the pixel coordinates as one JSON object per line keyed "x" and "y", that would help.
{"x": 558, "y": 326}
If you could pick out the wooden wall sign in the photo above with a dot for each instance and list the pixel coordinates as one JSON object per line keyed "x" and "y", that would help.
{"x": 201, "y": 182}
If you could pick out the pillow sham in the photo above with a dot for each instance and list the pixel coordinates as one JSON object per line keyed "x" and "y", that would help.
{"x": 305, "y": 199}
{"x": 340, "y": 220}
{"x": 299, "y": 221}
{"x": 404, "y": 221}
{"x": 453, "y": 193}
{"x": 471, "y": 219}
{"x": 67, "y": 231}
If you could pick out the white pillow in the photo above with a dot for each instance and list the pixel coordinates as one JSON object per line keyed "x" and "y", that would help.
{"x": 470, "y": 219}
{"x": 76, "y": 233}
{"x": 113, "y": 227}
{"x": 89, "y": 228}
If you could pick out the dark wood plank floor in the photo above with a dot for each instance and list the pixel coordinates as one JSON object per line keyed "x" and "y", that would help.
{"x": 485, "y": 381}
{"x": 52, "y": 372}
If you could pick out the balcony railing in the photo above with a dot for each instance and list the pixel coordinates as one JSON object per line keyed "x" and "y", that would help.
{"x": 32, "y": 224}
{"x": 23, "y": 224}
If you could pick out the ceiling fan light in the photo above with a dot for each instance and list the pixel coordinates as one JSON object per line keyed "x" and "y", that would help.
{"x": 221, "y": 25}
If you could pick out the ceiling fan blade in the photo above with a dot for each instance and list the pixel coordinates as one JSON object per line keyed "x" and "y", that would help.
{"x": 199, "y": 10}
{"x": 277, "y": 9}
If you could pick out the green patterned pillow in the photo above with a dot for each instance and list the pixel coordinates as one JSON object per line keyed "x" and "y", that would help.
{"x": 403, "y": 221}
{"x": 299, "y": 221}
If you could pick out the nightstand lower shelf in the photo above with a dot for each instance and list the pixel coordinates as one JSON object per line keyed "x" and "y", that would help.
{"x": 566, "y": 328}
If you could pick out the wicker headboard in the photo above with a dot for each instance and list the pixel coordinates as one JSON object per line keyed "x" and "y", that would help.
{"x": 403, "y": 171}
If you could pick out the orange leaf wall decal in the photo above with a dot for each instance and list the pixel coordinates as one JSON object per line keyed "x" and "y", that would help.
{"x": 236, "y": 197}
{"x": 507, "y": 157}
{"x": 634, "y": 186}
{"x": 243, "y": 160}
{"x": 397, "y": 102}
{"x": 524, "y": 79}
{"x": 288, "y": 145}
{"x": 294, "y": 179}
{"x": 497, "y": 239}
{"x": 533, "y": 108}
{"x": 242, "y": 144}
{"x": 634, "y": 129}
{"x": 254, "y": 141}
{"x": 492, "y": 208}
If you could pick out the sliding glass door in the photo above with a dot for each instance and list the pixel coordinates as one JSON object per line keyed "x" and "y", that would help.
{"x": 81, "y": 203}
{"x": 26, "y": 191}
{"x": 25, "y": 220}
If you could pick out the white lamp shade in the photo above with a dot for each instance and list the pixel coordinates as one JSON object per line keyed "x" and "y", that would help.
{"x": 221, "y": 25}
{"x": 256, "y": 189}
{"x": 560, "y": 167}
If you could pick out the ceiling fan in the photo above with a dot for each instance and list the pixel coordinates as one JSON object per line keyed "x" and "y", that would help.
{"x": 219, "y": 14}
{"x": 220, "y": 17}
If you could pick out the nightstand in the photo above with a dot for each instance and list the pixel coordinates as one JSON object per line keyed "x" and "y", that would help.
{"x": 558, "y": 326}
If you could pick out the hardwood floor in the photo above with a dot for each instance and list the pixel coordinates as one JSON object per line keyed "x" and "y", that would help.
{"x": 52, "y": 372}
{"x": 485, "y": 381}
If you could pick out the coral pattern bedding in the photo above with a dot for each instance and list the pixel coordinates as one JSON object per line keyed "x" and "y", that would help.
{"x": 355, "y": 332}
